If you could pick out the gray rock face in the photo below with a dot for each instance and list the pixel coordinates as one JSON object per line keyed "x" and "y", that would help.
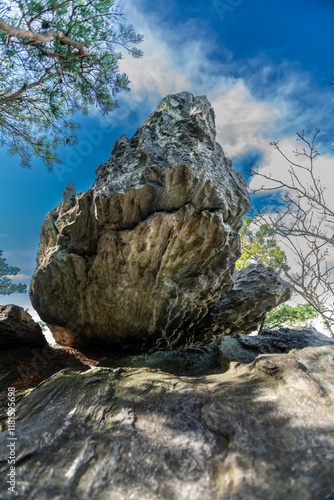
{"x": 262, "y": 431}
{"x": 18, "y": 329}
{"x": 244, "y": 349}
{"x": 139, "y": 260}
{"x": 256, "y": 291}
{"x": 185, "y": 361}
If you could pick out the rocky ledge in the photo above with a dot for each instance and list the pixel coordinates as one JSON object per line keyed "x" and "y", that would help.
{"x": 261, "y": 431}
{"x": 257, "y": 289}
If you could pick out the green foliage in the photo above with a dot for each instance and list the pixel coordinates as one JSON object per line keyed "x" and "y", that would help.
{"x": 42, "y": 324}
{"x": 7, "y": 287}
{"x": 44, "y": 82}
{"x": 260, "y": 247}
{"x": 285, "y": 315}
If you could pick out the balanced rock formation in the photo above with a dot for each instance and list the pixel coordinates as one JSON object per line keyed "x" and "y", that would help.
{"x": 257, "y": 290}
{"x": 18, "y": 329}
{"x": 139, "y": 259}
{"x": 261, "y": 431}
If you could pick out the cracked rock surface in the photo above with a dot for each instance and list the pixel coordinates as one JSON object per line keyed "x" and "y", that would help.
{"x": 257, "y": 289}
{"x": 261, "y": 431}
{"x": 139, "y": 259}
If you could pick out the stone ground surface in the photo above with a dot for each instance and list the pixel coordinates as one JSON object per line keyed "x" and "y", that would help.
{"x": 264, "y": 430}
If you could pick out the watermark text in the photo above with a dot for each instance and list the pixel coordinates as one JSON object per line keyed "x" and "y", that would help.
{"x": 11, "y": 439}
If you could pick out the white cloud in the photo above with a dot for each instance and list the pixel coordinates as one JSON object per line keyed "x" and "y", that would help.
{"x": 20, "y": 277}
{"x": 244, "y": 122}
{"x": 275, "y": 166}
{"x": 24, "y": 259}
{"x": 304, "y": 253}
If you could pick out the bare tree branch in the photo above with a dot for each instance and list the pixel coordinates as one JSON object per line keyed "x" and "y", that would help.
{"x": 304, "y": 222}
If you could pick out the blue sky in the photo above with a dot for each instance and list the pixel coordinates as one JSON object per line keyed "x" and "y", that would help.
{"x": 261, "y": 64}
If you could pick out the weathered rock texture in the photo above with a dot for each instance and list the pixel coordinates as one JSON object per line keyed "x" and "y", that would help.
{"x": 26, "y": 367}
{"x": 244, "y": 349}
{"x": 256, "y": 291}
{"x": 184, "y": 361}
{"x": 18, "y": 329}
{"x": 263, "y": 431}
{"x": 139, "y": 259}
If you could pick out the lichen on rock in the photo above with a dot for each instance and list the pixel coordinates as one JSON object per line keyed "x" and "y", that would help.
{"x": 261, "y": 431}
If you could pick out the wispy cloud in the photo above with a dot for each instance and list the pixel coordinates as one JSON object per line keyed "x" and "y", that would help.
{"x": 273, "y": 165}
{"x": 20, "y": 277}
{"x": 255, "y": 100}
{"x": 24, "y": 259}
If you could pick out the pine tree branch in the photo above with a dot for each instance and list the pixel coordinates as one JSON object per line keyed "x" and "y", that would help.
{"x": 13, "y": 31}
{"x": 26, "y": 87}
{"x": 46, "y": 37}
{"x": 71, "y": 43}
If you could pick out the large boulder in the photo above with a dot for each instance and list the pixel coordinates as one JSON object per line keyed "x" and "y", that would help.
{"x": 257, "y": 290}
{"x": 18, "y": 329}
{"x": 261, "y": 431}
{"x": 139, "y": 259}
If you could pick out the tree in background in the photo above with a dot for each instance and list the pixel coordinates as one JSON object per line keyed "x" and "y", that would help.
{"x": 304, "y": 224}
{"x": 7, "y": 287}
{"x": 285, "y": 315}
{"x": 57, "y": 57}
{"x": 260, "y": 247}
